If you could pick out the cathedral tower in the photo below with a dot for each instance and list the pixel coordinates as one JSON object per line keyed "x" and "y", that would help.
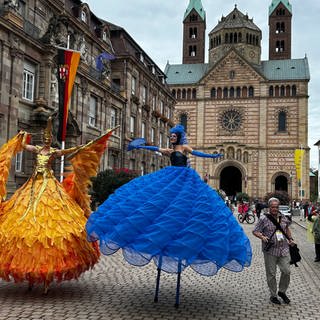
{"x": 280, "y": 16}
{"x": 194, "y": 27}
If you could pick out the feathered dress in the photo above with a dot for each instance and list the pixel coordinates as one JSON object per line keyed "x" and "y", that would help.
{"x": 174, "y": 218}
{"x": 42, "y": 226}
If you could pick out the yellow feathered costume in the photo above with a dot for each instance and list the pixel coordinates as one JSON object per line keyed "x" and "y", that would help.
{"x": 42, "y": 226}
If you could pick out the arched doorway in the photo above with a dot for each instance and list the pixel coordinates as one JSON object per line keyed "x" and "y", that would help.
{"x": 281, "y": 183}
{"x": 231, "y": 180}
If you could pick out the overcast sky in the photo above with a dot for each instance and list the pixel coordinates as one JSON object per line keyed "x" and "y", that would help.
{"x": 157, "y": 27}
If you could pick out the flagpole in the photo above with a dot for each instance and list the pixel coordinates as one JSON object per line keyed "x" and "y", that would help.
{"x": 301, "y": 172}
{"x": 63, "y": 141}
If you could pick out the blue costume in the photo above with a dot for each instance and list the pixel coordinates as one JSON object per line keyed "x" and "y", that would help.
{"x": 172, "y": 217}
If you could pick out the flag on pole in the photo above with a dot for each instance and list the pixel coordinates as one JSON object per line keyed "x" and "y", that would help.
{"x": 68, "y": 62}
{"x": 101, "y": 58}
{"x": 298, "y": 155}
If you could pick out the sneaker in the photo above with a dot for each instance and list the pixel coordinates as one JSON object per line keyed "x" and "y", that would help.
{"x": 284, "y": 297}
{"x": 275, "y": 300}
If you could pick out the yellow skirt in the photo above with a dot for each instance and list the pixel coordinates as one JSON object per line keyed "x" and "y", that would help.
{"x": 42, "y": 235}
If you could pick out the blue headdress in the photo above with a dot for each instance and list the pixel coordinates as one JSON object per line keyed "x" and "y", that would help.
{"x": 179, "y": 130}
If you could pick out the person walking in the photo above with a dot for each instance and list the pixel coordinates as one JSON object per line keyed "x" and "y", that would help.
{"x": 275, "y": 249}
{"x": 316, "y": 233}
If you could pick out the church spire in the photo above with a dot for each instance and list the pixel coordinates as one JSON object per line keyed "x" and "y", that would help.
{"x": 194, "y": 27}
{"x": 275, "y": 3}
{"x": 197, "y": 6}
{"x": 280, "y": 20}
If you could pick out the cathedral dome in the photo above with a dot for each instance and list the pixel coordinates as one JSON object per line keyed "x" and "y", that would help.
{"x": 235, "y": 31}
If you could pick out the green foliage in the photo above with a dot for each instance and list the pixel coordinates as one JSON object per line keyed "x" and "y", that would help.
{"x": 242, "y": 196}
{"x": 107, "y": 182}
{"x": 281, "y": 195}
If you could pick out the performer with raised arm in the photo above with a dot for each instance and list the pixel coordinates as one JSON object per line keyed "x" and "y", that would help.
{"x": 172, "y": 217}
{"x": 42, "y": 226}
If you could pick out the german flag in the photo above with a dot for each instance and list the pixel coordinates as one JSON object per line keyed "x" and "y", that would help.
{"x": 68, "y": 62}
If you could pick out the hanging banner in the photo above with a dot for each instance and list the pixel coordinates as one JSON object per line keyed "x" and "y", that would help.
{"x": 68, "y": 62}
{"x": 298, "y": 155}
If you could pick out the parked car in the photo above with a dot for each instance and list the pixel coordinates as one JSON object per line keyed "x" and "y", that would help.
{"x": 286, "y": 210}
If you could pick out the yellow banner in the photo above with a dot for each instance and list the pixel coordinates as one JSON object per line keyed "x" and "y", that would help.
{"x": 298, "y": 155}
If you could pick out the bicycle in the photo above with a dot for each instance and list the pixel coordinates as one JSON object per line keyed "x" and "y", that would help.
{"x": 248, "y": 216}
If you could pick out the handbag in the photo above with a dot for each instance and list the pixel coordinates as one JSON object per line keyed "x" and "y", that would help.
{"x": 293, "y": 249}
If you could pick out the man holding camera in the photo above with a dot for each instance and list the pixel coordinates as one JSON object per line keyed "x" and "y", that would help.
{"x": 275, "y": 248}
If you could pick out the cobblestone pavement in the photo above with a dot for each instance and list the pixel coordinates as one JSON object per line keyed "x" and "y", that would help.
{"x": 117, "y": 290}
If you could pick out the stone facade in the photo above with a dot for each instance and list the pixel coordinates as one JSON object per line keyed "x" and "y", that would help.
{"x": 30, "y": 32}
{"x": 150, "y": 105}
{"x": 246, "y": 111}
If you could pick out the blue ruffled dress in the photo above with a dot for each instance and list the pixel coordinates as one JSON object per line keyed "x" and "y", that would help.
{"x": 174, "y": 218}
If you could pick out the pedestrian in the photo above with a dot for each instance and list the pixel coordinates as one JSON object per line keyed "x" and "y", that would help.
{"x": 316, "y": 233}
{"x": 258, "y": 208}
{"x": 42, "y": 226}
{"x": 171, "y": 217}
{"x": 301, "y": 211}
{"x": 275, "y": 249}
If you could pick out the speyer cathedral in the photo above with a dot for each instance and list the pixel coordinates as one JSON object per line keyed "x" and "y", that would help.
{"x": 253, "y": 111}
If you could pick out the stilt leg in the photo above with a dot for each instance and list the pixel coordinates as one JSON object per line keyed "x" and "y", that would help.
{"x": 46, "y": 288}
{"x": 178, "y": 286}
{"x": 157, "y": 286}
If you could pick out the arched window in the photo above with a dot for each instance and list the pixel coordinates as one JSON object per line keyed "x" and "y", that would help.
{"x": 282, "y": 121}
{"x": 189, "y": 94}
{"x": 282, "y": 91}
{"x": 226, "y": 38}
{"x": 179, "y": 94}
{"x": 251, "y": 92}
{"x": 225, "y": 92}
{"x": 213, "y": 93}
{"x": 287, "y": 91}
{"x": 278, "y": 27}
{"x": 194, "y": 93}
{"x": 294, "y": 90}
{"x": 184, "y": 121}
{"x": 271, "y": 91}
{"x": 282, "y": 27}
{"x": 219, "y": 93}
{"x": 244, "y": 92}
{"x": 231, "y": 92}
{"x": 235, "y": 37}
{"x": 174, "y": 93}
{"x": 238, "y": 92}
{"x": 276, "y": 91}
{"x": 239, "y": 37}
{"x": 184, "y": 93}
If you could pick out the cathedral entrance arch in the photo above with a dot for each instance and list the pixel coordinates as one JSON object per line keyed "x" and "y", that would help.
{"x": 281, "y": 183}
{"x": 231, "y": 180}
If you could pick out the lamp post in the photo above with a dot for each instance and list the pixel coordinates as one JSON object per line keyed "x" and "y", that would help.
{"x": 291, "y": 186}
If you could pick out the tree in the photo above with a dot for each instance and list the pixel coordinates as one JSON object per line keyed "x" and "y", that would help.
{"x": 242, "y": 196}
{"x": 283, "y": 197}
{"x": 107, "y": 182}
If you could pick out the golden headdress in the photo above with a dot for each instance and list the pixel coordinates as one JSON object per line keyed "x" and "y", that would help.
{"x": 48, "y": 130}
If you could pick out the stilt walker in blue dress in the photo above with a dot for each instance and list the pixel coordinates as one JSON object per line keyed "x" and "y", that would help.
{"x": 171, "y": 217}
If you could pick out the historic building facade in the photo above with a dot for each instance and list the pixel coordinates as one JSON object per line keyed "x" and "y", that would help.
{"x": 254, "y": 112}
{"x": 30, "y": 32}
{"x": 149, "y": 106}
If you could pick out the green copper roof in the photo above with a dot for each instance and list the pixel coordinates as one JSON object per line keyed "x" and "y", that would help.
{"x": 287, "y": 69}
{"x": 185, "y": 73}
{"x": 196, "y": 5}
{"x": 275, "y": 3}
{"x": 290, "y": 69}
